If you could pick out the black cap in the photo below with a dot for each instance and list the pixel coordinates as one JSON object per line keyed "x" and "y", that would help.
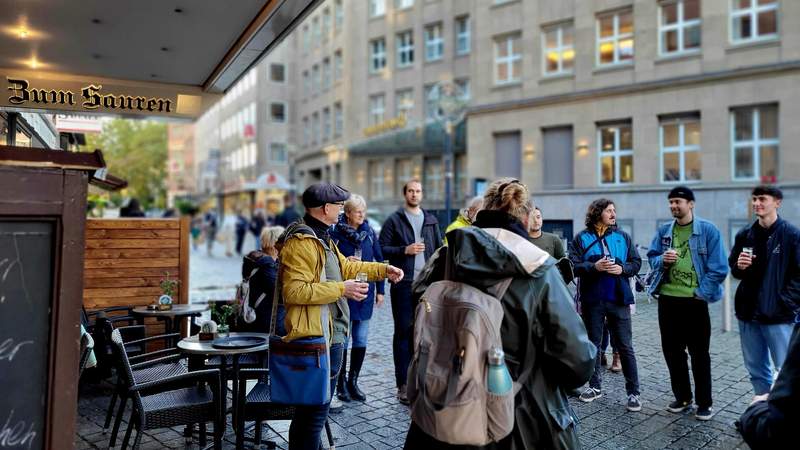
{"x": 319, "y": 194}
{"x": 681, "y": 192}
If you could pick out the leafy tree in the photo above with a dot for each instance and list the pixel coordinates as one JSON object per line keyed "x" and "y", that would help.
{"x": 136, "y": 150}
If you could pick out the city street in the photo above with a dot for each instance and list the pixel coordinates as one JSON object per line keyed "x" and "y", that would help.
{"x": 381, "y": 422}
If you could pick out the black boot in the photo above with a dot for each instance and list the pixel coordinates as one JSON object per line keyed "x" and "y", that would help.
{"x": 356, "y": 360}
{"x": 341, "y": 384}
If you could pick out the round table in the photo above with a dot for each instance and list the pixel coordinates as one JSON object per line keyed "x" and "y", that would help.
{"x": 178, "y": 312}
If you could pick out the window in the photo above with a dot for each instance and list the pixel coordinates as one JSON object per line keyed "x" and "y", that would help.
{"x": 405, "y": 48}
{"x": 558, "y": 51}
{"x": 306, "y": 38}
{"x": 326, "y": 73}
{"x": 377, "y": 55}
{"x": 507, "y": 59}
{"x": 615, "y": 38}
{"x": 306, "y": 132}
{"x": 404, "y": 102}
{"x": 376, "y": 109}
{"x": 326, "y": 23}
{"x": 754, "y": 134}
{"x": 431, "y": 103}
{"x": 433, "y": 181}
{"x": 616, "y": 153}
{"x": 338, "y": 120}
{"x": 306, "y": 82}
{"x": 338, "y": 15}
{"x": 463, "y": 84}
{"x": 679, "y": 27}
{"x": 403, "y": 4}
{"x": 376, "y": 177}
{"x": 377, "y": 8}
{"x": 277, "y": 73}
{"x": 326, "y": 124}
{"x": 337, "y": 65}
{"x": 278, "y": 112}
{"x": 315, "y": 128}
{"x": 315, "y": 79}
{"x": 680, "y": 150}
{"x": 434, "y": 44}
{"x": 315, "y": 31}
{"x": 404, "y": 171}
{"x": 278, "y": 153}
{"x": 753, "y": 20}
{"x": 462, "y": 35}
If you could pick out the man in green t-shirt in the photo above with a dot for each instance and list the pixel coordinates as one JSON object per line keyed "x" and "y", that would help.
{"x": 548, "y": 242}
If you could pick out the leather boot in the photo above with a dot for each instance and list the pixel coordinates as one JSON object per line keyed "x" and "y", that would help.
{"x": 357, "y": 359}
{"x": 341, "y": 384}
{"x": 616, "y": 363}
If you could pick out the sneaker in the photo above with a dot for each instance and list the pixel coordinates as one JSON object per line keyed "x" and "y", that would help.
{"x": 401, "y": 395}
{"x": 679, "y": 406}
{"x": 633, "y": 403}
{"x": 703, "y": 413}
{"x": 336, "y": 406}
{"x": 590, "y": 394}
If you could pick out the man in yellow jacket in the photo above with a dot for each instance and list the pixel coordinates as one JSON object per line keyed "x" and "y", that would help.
{"x": 316, "y": 281}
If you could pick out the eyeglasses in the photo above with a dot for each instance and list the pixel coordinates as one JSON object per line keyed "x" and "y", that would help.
{"x": 339, "y": 204}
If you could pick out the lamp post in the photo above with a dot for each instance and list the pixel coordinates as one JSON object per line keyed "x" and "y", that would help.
{"x": 450, "y": 109}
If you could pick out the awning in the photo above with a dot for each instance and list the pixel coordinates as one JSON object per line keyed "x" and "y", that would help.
{"x": 267, "y": 181}
{"x": 427, "y": 139}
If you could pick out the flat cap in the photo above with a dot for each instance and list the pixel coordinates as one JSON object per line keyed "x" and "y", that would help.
{"x": 681, "y": 192}
{"x": 319, "y": 194}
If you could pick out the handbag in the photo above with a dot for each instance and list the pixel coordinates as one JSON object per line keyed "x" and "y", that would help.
{"x": 299, "y": 371}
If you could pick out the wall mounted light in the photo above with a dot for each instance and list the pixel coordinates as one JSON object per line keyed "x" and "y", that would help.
{"x": 529, "y": 152}
{"x": 583, "y": 148}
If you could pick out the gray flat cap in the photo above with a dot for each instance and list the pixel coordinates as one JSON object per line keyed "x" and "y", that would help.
{"x": 319, "y": 194}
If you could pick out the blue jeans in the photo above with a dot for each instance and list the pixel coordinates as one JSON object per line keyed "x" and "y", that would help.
{"x": 336, "y": 363}
{"x": 757, "y": 340}
{"x": 617, "y": 318}
{"x": 358, "y": 332}
{"x": 402, "y": 345}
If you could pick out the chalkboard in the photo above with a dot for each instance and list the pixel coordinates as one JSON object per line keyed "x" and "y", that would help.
{"x": 26, "y": 289}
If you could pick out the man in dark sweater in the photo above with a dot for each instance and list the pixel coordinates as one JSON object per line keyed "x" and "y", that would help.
{"x": 548, "y": 242}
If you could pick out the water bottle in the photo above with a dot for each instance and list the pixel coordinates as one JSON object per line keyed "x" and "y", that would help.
{"x": 499, "y": 380}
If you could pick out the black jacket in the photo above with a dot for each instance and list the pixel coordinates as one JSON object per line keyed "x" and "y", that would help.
{"x": 397, "y": 234}
{"x": 776, "y": 297}
{"x": 773, "y": 423}
{"x": 262, "y": 282}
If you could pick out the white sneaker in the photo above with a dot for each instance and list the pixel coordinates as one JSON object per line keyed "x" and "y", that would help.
{"x": 336, "y": 406}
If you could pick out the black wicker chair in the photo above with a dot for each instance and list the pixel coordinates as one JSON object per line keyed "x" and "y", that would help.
{"x": 257, "y": 407}
{"x": 186, "y": 399}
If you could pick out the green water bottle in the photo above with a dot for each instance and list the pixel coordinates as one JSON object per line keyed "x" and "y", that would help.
{"x": 499, "y": 380}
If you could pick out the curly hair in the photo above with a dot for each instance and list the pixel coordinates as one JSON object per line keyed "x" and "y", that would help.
{"x": 595, "y": 211}
{"x": 508, "y": 195}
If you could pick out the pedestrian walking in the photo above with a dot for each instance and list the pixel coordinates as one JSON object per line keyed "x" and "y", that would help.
{"x": 228, "y": 233}
{"x": 605, "y": 259}
{"x": 408, "y": 238}
{"x": 308, "y": 256}
{"x": 358, "y": 242}
{"x": 465, "y": 216}
{"x": 766, "y": 258}
{"x": 687, "y": 263}
{"x": 257, "y": 223}
{"x": 545, "y": 344}
{"x": 210, "y": 226}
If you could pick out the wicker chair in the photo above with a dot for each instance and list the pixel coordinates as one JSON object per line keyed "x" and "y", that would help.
{"x": 87, "y": 345}
{"x": 186, "y": 399}
{"x": 257, "y": 407}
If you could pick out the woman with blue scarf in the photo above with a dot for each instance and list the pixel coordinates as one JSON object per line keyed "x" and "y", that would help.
{"x": 356, "y": 240}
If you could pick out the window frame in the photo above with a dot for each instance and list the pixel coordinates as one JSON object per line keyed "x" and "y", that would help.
{"x": 615, "y": 38}
{"x": 285, "y": 107}
{"x": 399, "y": 109}
{"x": 400, "y": 5}
{"x": 285, "y": 150}
{"x": 403, "y": 47}
{"x": 272, "y": 68}
{"x": 680, "y": 27}
{"x": 374, "y": 10}
{"x": 617, "y": 153}
{"x": 753, "y": 11}
{"x": 315, "y": 137}
{"x": 509, "y": 60}
{"x": 756, "y": 143}
{"x": 338, "y": 16}
{"x": 463, "y": 36}
{"x": 338, "y": 120}
{"x": 327, "y": 125}
{"x": 377, "y": 179}
{"x": 338, "y": 65}
{"x": 377, "y": 57}
{"x": 434, "y": 41}
{"x": 560, "y": 48}
{"x": 681, "y": 149}
{"x": 372, "y": 111}
{"x": 316, "y": 79}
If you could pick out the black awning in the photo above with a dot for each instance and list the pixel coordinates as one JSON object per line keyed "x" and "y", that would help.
{"x": 427, "y": 139}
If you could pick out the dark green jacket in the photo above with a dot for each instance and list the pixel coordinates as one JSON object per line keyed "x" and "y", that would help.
{"x": 542, "y": 333}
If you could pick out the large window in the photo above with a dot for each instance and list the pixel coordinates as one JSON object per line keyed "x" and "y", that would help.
{"x": 433, "y": 180}
{"x": 338, "y": 120}
{"x": 377, "y": 55}
{"x": 753, "y": 20}
{"x": 277, "y": 112}
{"x": 754, "y": 134}
{"x": 377, "y": 182}
{"x": 405, "y": 172}
{"x": 337, "y": 65}
{"x": 462, "y": 35}
{"x": 434, "y": 43}
{"x": 404, "y": 102}
{"x": 316, "y": 34}
{"x": 615, "y": 38}
{"x": 377, "y": 8}
{"x": 405, "y": 48}
{"x": 326, "y": 124}
{"x": 277, "y": 72}
{"x": 507, "y": 59}
{"x": 616, "y": 153}
{"x": 315, "y": 79}
{"x": 376, "y": 109}
{"x": 680, "y": 150}
{"x": 558, "y": 49}
{"x": 326, "y": 73}
{"x": 679, "y": 26}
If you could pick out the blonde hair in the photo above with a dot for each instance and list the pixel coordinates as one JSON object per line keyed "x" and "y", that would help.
{"x": 269, "y": 236}
{"x": 510, "y": 196}
{"x": 354, "y": 202}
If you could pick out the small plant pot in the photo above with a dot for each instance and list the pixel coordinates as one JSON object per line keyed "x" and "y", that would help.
{"x": 207, "y": 336}
{"x": 223, "y": 331}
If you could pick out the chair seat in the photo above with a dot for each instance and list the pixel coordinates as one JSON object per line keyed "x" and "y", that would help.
{"x": 178, "y": 407}
{"x": 259, "y": 406}
{"x": 249, "y": 360}
{"x": 158, "y": 372}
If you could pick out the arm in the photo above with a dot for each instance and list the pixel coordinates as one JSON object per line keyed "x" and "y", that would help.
{"x": 580, "y": 266}
{"x": 558, "y": 249}
{"x": 389, "y": 240}
{"x": 633, "y": 262}
{"x": 378, "y": 257}
{"x": 299, "y": 261}
{"x": 738, "y": 243}
{"x": 655, "y": 254}
{"x": 717, "y": 270}
{"x": 375, "y": 270}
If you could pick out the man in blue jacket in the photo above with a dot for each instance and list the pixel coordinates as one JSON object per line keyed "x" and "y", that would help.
{"x": 687, "y": 267}
{"x": 605, "y": 259}
{"x": 766, "y": 257}
{"x": 408, "y": 239}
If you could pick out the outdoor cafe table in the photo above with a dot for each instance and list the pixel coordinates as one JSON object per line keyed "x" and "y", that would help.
{"x": 194, "y": 346}
{"x": 172, "y": 317}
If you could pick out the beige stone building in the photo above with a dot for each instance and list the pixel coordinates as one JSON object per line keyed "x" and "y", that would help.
{"x": 627, "y": 98}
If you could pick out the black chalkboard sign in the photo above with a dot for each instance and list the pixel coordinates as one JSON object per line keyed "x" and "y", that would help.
{"x": 26, "y": 290}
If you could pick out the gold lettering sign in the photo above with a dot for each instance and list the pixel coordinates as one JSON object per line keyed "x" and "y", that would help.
{"x": 391, "y": 124}
{"x": 92, "y": 97}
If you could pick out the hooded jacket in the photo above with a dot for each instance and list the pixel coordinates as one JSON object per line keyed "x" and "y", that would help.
{"x": 541, "y": 332}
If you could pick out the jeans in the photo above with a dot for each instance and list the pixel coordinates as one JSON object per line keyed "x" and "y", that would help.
{"x": 336, "y": 363}
{"x": 306, "y": 427}
{"x": 685, "y": 325}
{"x": 757, "y": 339}
{"x": 358, "y": 332}
{"x": 617, "y": 317}
{"x": 402, "y": 313}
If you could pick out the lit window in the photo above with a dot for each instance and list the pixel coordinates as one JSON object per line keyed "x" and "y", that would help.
{"x": 376, "y": 109}
{"x": 434, "y": 43}
{"x": 338, "y": 120}
{"x": 615, "y": 38}
{"x": 679, "y": 27}
{"x": 507, "y": 59}
{"x": 377, "y": 8}
{"x": 558, "y": 49}
{"x": 377, "y": 55}
{"x": 680, "y": 150}
{"x": 753, "y": 20}
{"x": 404, "y": 103}
{"x": 277, "y": 73}
{"x": 616, "y": 153}
{"x": 462, "y": 35}
{"x": 405, "y": 48}
{"x": 754, "y": 134}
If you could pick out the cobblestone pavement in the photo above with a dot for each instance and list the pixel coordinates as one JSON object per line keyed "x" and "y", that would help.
{"x": 381, "y": 422}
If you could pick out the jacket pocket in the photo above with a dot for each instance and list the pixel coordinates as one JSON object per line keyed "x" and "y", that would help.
{"x": 561, "y": 417}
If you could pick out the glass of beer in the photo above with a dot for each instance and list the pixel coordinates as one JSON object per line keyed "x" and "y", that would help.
{"x": 362, "y": 277}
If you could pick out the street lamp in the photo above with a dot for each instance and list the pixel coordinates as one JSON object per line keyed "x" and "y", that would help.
{"x": 450, "y": 109}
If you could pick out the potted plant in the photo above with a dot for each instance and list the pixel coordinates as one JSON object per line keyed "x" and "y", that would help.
{"x": 223, "y": 314}
{"x": 168, "y": 287}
